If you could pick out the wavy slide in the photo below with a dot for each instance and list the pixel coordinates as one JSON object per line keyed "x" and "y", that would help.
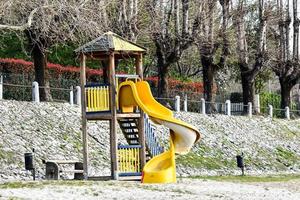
{"x": 161, "y": 168}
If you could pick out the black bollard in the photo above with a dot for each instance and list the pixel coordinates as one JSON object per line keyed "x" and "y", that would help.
{"x": 29, "y": 162}
{"x": 240, "y": 162}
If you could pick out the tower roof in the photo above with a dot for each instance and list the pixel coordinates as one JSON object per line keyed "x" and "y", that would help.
{"x": 110, "y": 42}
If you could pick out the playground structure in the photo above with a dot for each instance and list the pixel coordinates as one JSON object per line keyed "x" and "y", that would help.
{"x": 131, "y": 105}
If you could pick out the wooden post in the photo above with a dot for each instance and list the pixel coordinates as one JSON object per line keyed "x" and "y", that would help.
{"x": 35, "y": 92}
{"x": 257, "y": 103}
{"x": 83, "y": 114}
{"x": 203, "y": 106}
{"x": 250, "y": 109}
{"x": 1, "y": 86}
{"x": 71, "y": 96}
{"x": 228, "y": 107}
{"x": 287, "y": 113}
{"x": 78, "y": 95}
{"x": 113, "y": 121}
{"x": 271, "y": 111}
{"x": 177, "y": 103}
{"x": 141, "y": 128}
{"x": 185, "y": 104}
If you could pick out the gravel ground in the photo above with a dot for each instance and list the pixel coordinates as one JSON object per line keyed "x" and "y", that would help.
{"x": 270, "y": 146}
{"x": 184, "y": 189}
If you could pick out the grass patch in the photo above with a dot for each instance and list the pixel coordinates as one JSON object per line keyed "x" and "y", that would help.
{"x": 41, "y": 184}
{"x": 270, "y": 178}
{"x": 8, "y": 156}
{"x": 286, "y": 157}
{"x": 200, "y": 160}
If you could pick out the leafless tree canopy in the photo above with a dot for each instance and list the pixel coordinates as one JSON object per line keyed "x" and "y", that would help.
{"x": 253, "y": 35}
{"x": 55, "y": 20}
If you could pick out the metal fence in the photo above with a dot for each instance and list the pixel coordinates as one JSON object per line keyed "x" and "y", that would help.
{"x": 228, "y": 108}
{"x": 19, "y": 87}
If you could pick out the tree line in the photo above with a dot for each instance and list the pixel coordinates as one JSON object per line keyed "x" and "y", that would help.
{"x": 189, "y": 37}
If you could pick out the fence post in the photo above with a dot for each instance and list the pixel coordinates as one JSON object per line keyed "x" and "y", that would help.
{"x": 271, "y": 111}
{"x": 35, "y": 92}
{"x": 1, "y": 86}
{"x": 185, "y": 103}
{"x": 177, "y": 103}
{"x": 257, "y": 103}
{"x": 250, "y": 109}
{"x": 78, "y": 95}
{"x": 287, "y": 112}
{"x": 71, "y": 96}
{"x": 203, "y": 106}
{"x": 228, "y": 107}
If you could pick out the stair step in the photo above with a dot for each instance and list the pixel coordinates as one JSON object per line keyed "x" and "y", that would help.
{"x": 133, "y": 143}
{"x": 132, "y": 139}
{"x": 131, "y": 127}
{"x": 131, "y": 134}
{"x": 131, "y": 131}
{"x": 128, "y": 121}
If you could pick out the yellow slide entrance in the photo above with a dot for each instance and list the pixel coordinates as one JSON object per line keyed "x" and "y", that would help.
{"x": 161, "y": 168}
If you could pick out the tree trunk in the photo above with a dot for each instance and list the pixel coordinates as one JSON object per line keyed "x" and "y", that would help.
{"x": 41, "y": 73}
{"x": 104, "y": 64}
{"x": 285, "y": 93}
{"x": 163, "y": 90}
{"x": 209, "y": 72}
{"x": 248, "y": 90}
{"x": 162, "y": 66}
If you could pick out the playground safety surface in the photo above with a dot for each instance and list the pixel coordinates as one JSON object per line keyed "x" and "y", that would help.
{"x": 185, "y": 189}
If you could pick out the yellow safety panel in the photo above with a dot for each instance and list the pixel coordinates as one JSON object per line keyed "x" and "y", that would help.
{"x": 129, "y": 160}
{"x": 97, "y": 98}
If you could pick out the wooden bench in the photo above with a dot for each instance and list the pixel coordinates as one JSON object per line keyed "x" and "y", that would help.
{"x": 53, "y": 169}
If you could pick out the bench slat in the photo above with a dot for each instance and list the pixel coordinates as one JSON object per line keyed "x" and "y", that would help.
{"x": 71, "y": 171}
{"x": 63, "y": 161}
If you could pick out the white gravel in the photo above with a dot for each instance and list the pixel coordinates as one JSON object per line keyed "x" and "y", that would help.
{"x": 184, "y": 189}
{"x": 54, "y": 130}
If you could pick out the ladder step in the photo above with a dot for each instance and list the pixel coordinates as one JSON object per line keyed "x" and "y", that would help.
{"x": 130, "y": 132}
{"x": 133, "y": 143}
{"x": 129, "y": 127}
{"x": 126, "y": 120}
{"x": 132, "y": 136}
{"x": 132, "y": 139}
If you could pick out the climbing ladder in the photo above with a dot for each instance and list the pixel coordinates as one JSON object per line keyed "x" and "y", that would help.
{"x": 130, "y": 130}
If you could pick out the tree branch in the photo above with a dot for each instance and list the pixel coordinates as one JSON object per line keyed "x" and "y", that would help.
{"x": 21, "y": 27}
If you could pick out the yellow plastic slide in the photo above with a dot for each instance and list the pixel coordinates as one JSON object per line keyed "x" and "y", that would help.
{"x": 161, "y": 168}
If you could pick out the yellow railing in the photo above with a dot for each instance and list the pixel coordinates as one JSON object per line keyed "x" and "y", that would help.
{"x": 129, "y": 159}
{"x": 97, "y": 98}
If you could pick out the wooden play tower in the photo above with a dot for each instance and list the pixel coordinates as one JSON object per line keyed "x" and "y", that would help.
{"x": 99, "y": 101}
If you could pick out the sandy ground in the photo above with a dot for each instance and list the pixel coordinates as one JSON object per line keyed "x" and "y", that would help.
{"x": 184, "y": 189}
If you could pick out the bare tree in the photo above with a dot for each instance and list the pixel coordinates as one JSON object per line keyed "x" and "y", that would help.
{"x": 250, "y": 71}
{"x": 189, "y": 65}
{"x": 173, "y": 30}
{"x": 208, "y": 43}
{"x": 287, "y": 64}
{"x": 46, "y": 23}
{"x": 126, "y": 18}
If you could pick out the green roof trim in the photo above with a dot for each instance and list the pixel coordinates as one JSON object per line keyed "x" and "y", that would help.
{"x": 110, "y": 41}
